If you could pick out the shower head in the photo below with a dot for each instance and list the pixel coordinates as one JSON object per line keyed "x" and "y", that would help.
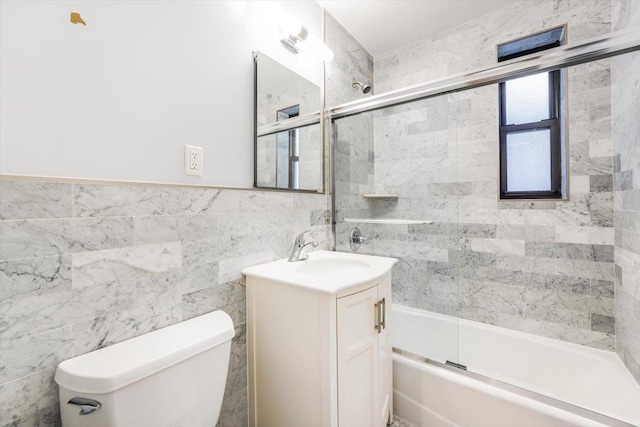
{"x": 364, "y": 87}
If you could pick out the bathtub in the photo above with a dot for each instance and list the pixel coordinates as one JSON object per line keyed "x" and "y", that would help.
{"x": 513, "y": 379}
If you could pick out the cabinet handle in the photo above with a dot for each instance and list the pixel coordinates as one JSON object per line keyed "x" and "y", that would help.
{"x": 377, "y": 326}
{"x": 383, "y": 304}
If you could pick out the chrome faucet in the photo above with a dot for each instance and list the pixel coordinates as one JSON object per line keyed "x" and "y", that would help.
{"x": 300, "y": 246}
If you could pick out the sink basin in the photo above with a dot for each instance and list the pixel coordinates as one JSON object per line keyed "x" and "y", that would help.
{"x": 326, "y": 271}
{"x": 331, "y": 267}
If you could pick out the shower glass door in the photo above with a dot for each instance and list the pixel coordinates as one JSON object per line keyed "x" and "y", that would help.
{"x": 543, "y": 298}
{"x": 399, "y": 167}
{"x": 534, "y": 296}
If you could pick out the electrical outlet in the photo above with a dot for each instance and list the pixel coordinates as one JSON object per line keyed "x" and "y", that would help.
{"x": 193, "y": 160}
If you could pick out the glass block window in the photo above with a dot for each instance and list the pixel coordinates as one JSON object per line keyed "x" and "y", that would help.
{"x": 530, "y": 137}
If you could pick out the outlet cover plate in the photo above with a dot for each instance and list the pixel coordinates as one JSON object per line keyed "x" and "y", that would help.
{"x": 193, "y": 160}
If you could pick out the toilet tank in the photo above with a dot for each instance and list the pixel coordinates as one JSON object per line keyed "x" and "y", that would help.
{"x": 174, "y": 376}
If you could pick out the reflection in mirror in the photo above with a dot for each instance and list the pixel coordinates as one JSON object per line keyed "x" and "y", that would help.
{"x": 280, "y": 88}
{"x": 289, "y": 157}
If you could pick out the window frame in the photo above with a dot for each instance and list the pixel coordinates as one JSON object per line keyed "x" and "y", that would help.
{"x": 553, "y": 124}
{"x": 293, "y": 179}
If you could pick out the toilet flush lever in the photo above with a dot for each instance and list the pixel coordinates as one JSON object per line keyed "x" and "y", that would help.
{"x": 87, "y": 406}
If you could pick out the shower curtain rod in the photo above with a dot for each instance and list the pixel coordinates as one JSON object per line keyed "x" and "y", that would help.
{"x": 608, "y": 45}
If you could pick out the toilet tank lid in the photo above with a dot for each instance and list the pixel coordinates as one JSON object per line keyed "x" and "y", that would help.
{"x": 116, "y": 366}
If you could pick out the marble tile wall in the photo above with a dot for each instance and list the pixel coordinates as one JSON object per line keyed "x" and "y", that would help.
{"x": 351, "y": 61}
{"x": 625, "y": 133}
{"x": 472, "y": 44}
{"x": 544, "y": 267}
{"x": 354, "y": 144}
{"x": 86, "y": 266}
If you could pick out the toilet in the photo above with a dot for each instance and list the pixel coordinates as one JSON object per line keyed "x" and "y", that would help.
{"x": 174, "y": 376}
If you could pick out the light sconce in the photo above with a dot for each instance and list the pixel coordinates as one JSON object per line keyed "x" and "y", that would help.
{"x": 301, "y": 40}
{"x": 295, "y": 36}
{"x": 294, "y": 41}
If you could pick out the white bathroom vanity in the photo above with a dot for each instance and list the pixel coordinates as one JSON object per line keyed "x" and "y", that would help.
{"x": 318, "y": 341}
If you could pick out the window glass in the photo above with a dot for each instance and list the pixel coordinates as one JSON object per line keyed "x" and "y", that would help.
{"x": 527, "y": 99}
{"x": 531, "y": 44}
{"x": 286, "y": 144}
{"x": 529, "y": 165}
{"x": 282, "y": 160}
{"x": 531, "y": 126}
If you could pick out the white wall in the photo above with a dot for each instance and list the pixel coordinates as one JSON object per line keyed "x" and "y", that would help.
{"x": 119, "y": 98}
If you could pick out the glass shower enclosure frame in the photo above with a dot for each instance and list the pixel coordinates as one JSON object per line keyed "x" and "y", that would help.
{"x": 431, "y": 239}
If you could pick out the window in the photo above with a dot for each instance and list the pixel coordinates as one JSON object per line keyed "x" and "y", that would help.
{"x": 288, "y": 152}
{"x": 530, "y": 125}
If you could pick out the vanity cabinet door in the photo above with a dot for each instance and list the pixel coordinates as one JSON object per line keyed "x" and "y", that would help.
{"x": 358, "y": 359}
{"x": 385, "y": 365}
{"x": 363, "y": 395}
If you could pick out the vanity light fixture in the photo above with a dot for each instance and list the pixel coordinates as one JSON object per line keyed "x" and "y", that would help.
{"x": 315, "y": 47}
{"x": 295, "y": 36}
{"x": 294, "y": 41}
{"x": 302, "y": 40}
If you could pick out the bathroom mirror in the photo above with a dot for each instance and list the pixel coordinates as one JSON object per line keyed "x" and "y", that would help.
{"x": 288, "y": 138}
